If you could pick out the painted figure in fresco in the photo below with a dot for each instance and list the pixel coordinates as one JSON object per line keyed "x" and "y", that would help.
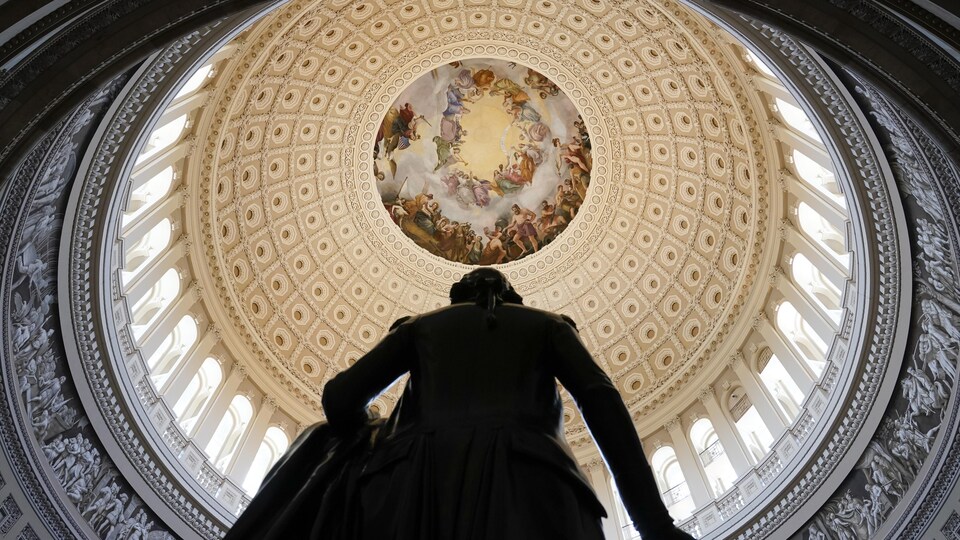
{"x": 521, "y": 224}
{"x": 465, "y": 81}
{"x": 450, "y": 129}
{"x": 509, "y": 180}
{"x": 481, "y": 191}
{"x": 567, "y": 199}
{"x": 455, "y": 101}
{"x": 483, "y": 80}
{"x": 448, "y": 153}
{"x": 494, "y": 252}
{"x": 538, "y": 132}
{"x": 476, "y": 247}
{"x": 538, "y": 81}
{"x": 398, "y": 129}
{"x": 452, "y": 181}
{"x": 924, "y": 396}
{"x": 550, "y": 221}
{"x": 424, "y": 218}
{"x": 398, "y": 125}
{"x": 528, "y": 158}
{"x": 513, "y": 94}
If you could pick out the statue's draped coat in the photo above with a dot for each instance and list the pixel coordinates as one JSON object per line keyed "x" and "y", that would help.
{"x": 474, "y": 449}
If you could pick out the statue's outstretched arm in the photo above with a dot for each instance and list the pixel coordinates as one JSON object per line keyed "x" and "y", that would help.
{"x": 614, "y": 432}
{"x": 346, "y": 396}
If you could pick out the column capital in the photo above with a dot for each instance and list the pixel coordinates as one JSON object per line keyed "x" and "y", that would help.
{"x": 737, "y": 360}
{"x": 595, "y": 463}
{"x": 783, "y": 227}
{"x": 707, "y": 394}
{"x": 269, "y": 402}
{"x": 776, "y": 275}
{"x": 237, "y": 370}
{"x": 759, "y": 319}
{"x": 672, "y": 424}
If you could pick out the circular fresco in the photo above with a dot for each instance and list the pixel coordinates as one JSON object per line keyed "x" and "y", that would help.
{"x": 482, "y": 161}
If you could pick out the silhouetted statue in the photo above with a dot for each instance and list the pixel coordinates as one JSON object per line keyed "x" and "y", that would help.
{"x": 474, "y": 449}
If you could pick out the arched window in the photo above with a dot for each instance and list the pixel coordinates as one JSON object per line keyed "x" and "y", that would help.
{"x": 797, "y": 119}
{"x": 151, "y": 192}
{"x": 822, "y": 232}
{"x": 196, "y": 81}
{"x": 760, "y": 65}
{"x": 753, "y": 431}
{"x": 629, "y": 532}
{"x": 143, "y": 251}
{"x": 782, "y": 387}
{"x": 200, "y": 390}
{"x": 801, "y": 336}
{"x": 172, "y": 349}
{"x": 816, "y": 286}
{"x": 673, "y": 485}
{"x": 227, "y": 436}
{"x": 714, "y": 459}
{"x": 154, "y": 302}
{"x": 817, "y": 176}
{"x": 274, "y": 444}
{"x": 163, "y": 137}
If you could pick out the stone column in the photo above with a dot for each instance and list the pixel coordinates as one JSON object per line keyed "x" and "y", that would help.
{"x": 796, "y": 367}
{"x": 690, "y": 464}
{"x": 812, "y": 313}
{"x": 209, "y": 419}
{"x": 768, "y": 410}
{"x": 181, "y": 375}
{"x": 830, "y": 210}
{"x": 726, "y": 432}
{"x": 147, "y": 277}
{"x": 596, "y": 471}
{"x": 826, "y": 263}
{"x": 250, "y": 442}
{"x": 154, "y": 335}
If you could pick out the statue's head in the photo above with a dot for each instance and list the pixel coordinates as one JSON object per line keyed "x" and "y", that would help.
{"x": 486, "y": 287}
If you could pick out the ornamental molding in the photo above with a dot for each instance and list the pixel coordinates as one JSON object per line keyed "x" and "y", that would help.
{"x": 565, "y": 272}
{"x": 111, "y": 377}
{"x": 865, "y": 372}
{"x": 865, "y": 181}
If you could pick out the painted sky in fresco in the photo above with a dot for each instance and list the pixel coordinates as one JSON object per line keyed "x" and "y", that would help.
{"x": 477, "y": 137}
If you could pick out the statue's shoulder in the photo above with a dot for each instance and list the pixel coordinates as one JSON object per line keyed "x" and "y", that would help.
{"x": 536, "y": 312}
{"x": 405, "y": 320}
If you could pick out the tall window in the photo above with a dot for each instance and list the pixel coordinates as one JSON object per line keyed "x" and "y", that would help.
{"x": 817, "y": 286}
{"x": 817, "y": 176}
{"x": 200, "y": 390}
{"x": 802, "y": 337}
{"x": 163, "y": 137}
{"x": 753, "y": 431}
{"x": 713, "y": 457}
{"x": 196, "y": 81}
{"x": 274, "y": 444}
{"x": 822, "y": 232}
{"x": 146, "y": 196}
{"x": 148, "y": 308}
{"x": 227, "y": 436}
{"x": 172, "y": 349}
{"x": 146, "y": 249}
{"x": 782, "y": 387}
{"x": 797, "y": 119}
{"x": 673, "y": 485}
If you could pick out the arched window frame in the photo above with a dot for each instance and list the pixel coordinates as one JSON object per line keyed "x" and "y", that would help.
{"x": 229, "y": 432}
